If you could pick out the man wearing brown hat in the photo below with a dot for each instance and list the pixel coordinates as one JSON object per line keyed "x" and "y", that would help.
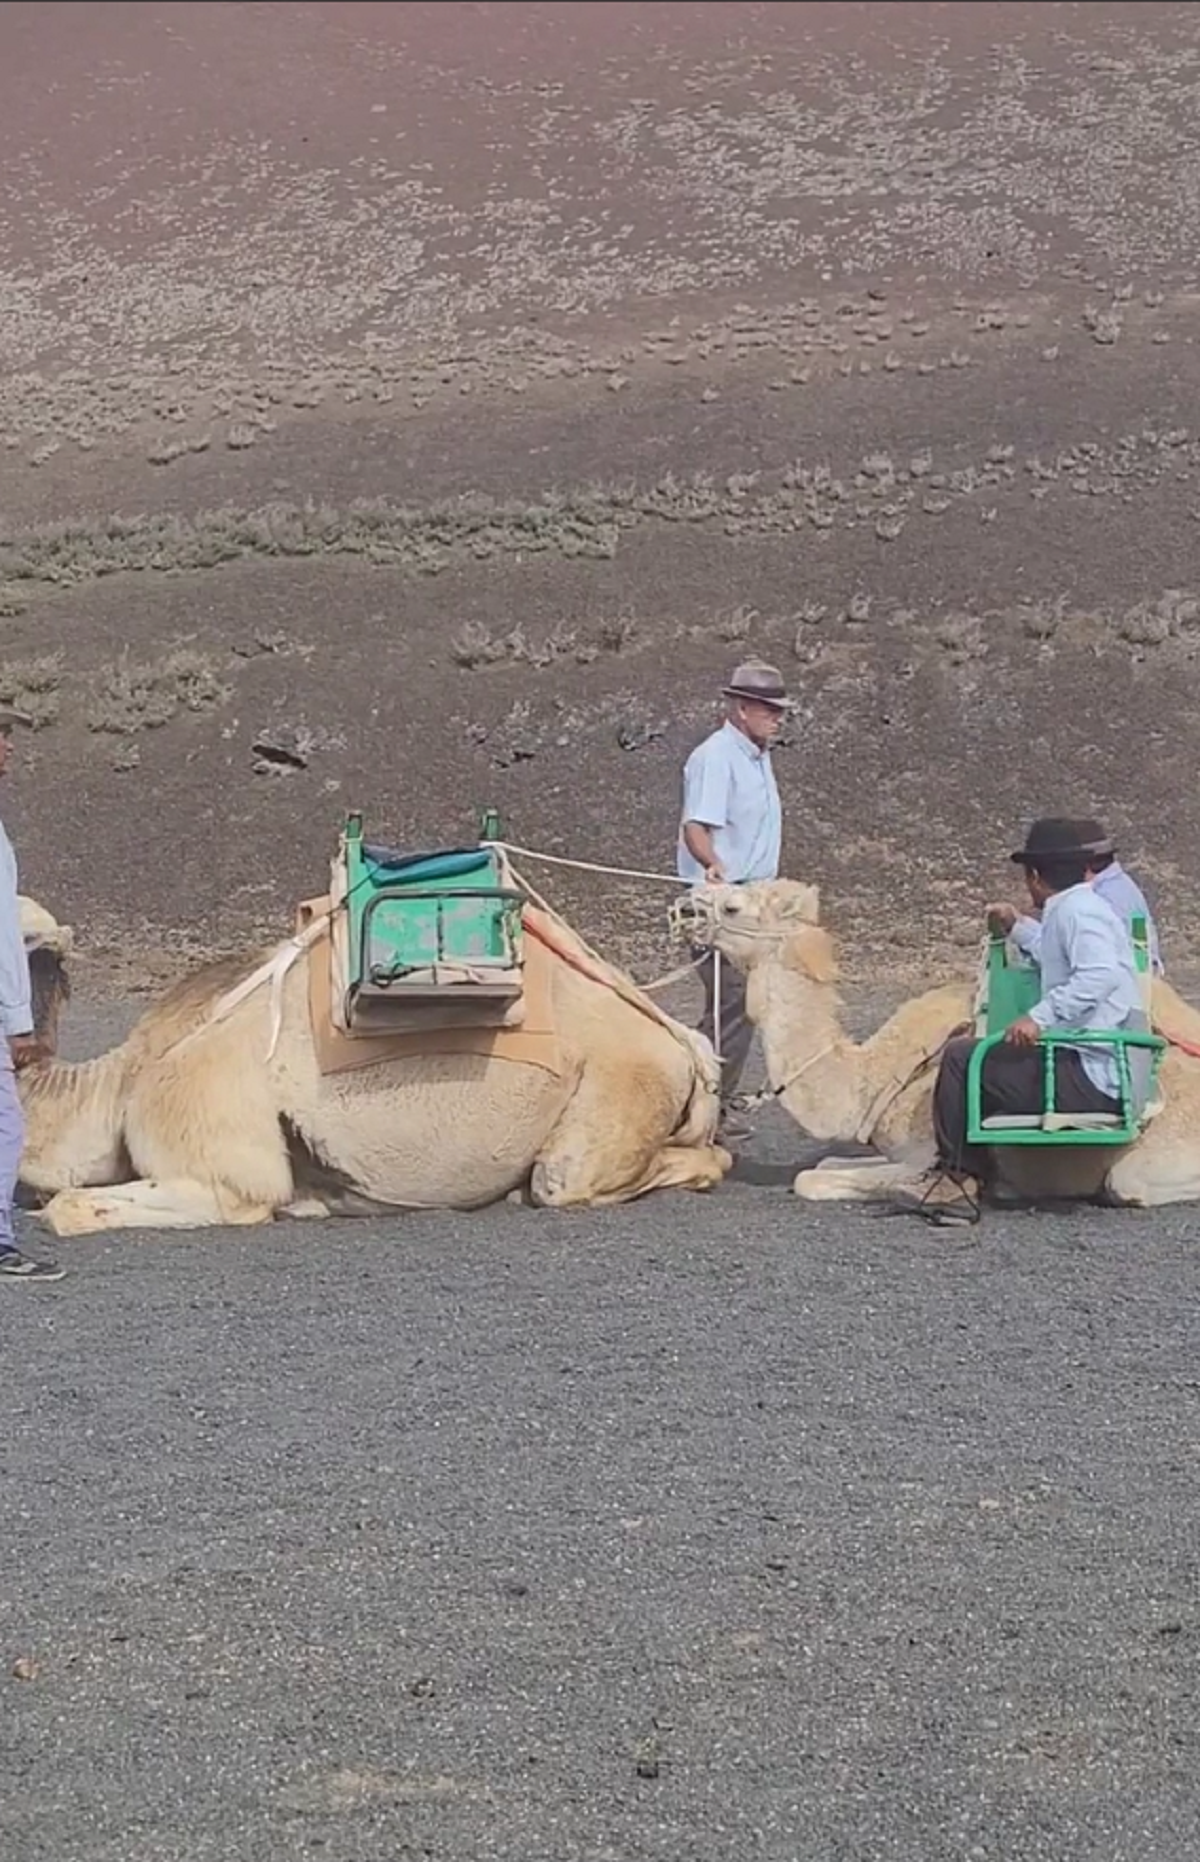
{"x": 18, "y": 1043}
{"x": 730, "y": 831}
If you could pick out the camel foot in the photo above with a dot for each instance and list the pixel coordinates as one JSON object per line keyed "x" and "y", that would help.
{"x": 305, "y": 1209}
{"x": 849, "y": 1179}
{"x": 181, "y": 1203}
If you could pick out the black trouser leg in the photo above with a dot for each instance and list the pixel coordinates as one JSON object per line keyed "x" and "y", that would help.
{"x": 1012, "y": 1083}
{"x": 737, "y": 1031}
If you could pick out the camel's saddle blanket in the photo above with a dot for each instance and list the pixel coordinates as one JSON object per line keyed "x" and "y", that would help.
{"x": 533, "y": 1041}
{"x": 424, "y": 940}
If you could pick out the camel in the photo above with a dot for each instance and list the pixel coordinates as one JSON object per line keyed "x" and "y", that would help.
{"x": 880, "y": 1092}
{"x": 215, "y": 1111}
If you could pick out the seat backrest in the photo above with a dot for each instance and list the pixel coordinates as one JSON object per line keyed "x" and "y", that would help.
{"x": 1014, "y": 983}
{"x": 1013, "y": 986}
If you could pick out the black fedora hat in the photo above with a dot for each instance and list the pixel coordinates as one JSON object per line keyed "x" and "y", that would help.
{"x": 1054, "y": 837}
{"x": 1095, "y": 838}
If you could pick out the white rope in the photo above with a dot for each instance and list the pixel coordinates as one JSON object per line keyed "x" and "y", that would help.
{"x": 276, "y": 967}
{"x": 716, "y": 957}
{"x": 672, "y": 976}
{"x": 273, "y": 970}
{"x": 588, "y": 866}
{"x": 777, "y": 1092}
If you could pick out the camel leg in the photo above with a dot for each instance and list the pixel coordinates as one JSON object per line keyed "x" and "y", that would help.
{"x": 1151, "y": 1174}
{"x": 605, "y": 1149}
{"x": 851, "y": 1179}
{"x": 675, "y": 1167}
{"x": 149, "y": 1203}
{"x": 1163, "y": 1165}
{"x": 555, "y": 1185}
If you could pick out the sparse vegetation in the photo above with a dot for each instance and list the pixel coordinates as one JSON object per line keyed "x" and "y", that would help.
{"x": 476, "y": 645}
{"x": 617, "y": 634}
{"x": 31, "y": 686}
{"x": 737, "y": 627}
{"x": 959, "y": 639}
{"x": 1041, "y": 620}
{"x": 128, "y": 697}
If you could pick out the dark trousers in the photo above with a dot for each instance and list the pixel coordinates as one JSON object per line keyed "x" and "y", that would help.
{"x": 736, "y": 1032}
{"x": 1012, "y": 1083}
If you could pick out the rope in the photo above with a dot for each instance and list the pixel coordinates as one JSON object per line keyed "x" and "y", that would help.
{"x": 277, "y": 965}
{"x": 587, "y": 866}
{"x": 776, "y": 1092}
{"x": 609, "y": 977}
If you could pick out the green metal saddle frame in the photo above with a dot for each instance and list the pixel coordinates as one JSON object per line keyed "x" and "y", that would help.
{"x": 430, "y": 924}
{"x": 1013, "y": 985}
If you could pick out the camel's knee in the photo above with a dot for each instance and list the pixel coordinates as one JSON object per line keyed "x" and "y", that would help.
{"x": 1149, "y": 1182}
{"x": 554, "y": 1183}
{"x": 689, "y": 1167}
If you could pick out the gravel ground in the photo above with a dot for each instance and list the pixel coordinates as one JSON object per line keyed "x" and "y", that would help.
{"x": 699, "y": 1529}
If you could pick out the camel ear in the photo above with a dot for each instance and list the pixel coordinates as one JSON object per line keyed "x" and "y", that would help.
{"x": 810, "y": 950}
{"x": 805, "y": 904}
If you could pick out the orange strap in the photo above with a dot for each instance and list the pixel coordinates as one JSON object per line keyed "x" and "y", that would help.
{"x": 650, "y": 1010}
{"x": 1185, "y": 1047}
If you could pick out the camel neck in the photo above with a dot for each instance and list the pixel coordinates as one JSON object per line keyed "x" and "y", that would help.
{"x": 812, "y": 1063}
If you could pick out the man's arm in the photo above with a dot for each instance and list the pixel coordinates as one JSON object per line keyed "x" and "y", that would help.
{"x": 16, "y": 1012}
{"x": 699, "y": 842}
{"x": 705, "y": 807}
{"x": 1093, "y": 953}
{"x": 1027, "y": 936}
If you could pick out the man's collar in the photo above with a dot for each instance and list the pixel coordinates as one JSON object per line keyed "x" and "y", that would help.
{"x": 743, "y": 742}
{"x": 1084, "y": 885}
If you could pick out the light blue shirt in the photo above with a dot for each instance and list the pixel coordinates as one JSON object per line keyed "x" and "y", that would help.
{"x": 1127, "y": 900}
{"x": 729, "y": 786}
{"x": 1089, "y": 978}
{"x": 16, "y": 1014}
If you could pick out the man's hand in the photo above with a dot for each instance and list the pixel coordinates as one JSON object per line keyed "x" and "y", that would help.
{"x": 1001, "y": 918}
{"x": 714, "y": 873}
{"x": 1023, "y": 1033}
{"x": 26, "y": 1050}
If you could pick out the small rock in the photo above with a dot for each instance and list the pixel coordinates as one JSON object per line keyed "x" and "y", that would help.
{"x": 25, "y": 1668}
{"x": 283, "y": 749}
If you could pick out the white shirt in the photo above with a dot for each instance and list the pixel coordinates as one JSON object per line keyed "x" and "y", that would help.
{"x": 1126, "y": 898}
{"x": 729, "y": 786}
{"x": 16, "y": 1013}
{"x": 1089, "y": 978}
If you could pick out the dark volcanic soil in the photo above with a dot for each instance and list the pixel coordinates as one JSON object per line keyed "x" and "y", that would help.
{"x": 458, "y": 390}
{"x": 451, "y": 393}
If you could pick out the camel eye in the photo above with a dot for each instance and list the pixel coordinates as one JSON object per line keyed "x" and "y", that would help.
{"x": 733, "y": 907}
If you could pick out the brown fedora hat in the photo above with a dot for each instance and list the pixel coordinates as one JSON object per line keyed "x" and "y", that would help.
{"x": 756, "y": 680}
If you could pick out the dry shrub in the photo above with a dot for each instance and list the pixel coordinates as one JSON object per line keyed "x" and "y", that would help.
{"x": 128, "y": 697}
{"x": 32, "y": 687}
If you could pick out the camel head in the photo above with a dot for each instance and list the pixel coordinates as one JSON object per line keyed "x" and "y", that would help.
{"x": 47, "y": 946}
{"x": 746, "y": 923}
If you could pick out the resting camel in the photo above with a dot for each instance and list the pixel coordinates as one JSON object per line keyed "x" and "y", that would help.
{"x": 880, "y": 1092}
{"x": 193, "y": 1122}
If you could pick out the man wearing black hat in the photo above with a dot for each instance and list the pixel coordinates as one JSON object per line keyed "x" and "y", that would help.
{"x": 1109, "y": 880}
{"x": 17, "y": 1043}
{"x": 730, "y": 831}
{"x": 1089, "y": 983}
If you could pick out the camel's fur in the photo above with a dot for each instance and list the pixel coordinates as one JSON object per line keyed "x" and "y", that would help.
{"x": 158, "y": 1134}
{"x": 840, "y": 1090}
